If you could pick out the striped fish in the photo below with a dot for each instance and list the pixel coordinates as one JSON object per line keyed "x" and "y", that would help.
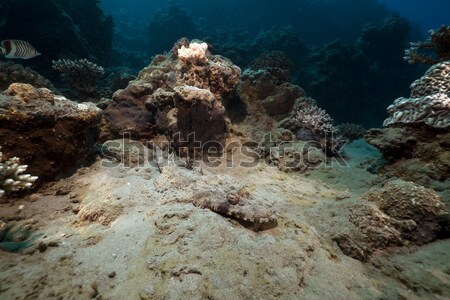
{"x": 18, "y": 49}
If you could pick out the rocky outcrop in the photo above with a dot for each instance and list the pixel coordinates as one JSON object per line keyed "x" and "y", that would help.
{"x": 11, "y": 72}
{"x": 259, "y": 88}
{"x": 50, "y": 133}
{"x": 416, "y": 138}
{"x": 401, "y": 213}
{"x": 178, "y": 97}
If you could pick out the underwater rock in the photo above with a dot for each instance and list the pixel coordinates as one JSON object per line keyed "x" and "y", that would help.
{"x": 11, "y": 72}
{"x": 417, "y": 130}
{"x": 260, "y": 89}
{"x": 418, "y": 156}
{"x": 50, "y": 133}
{"x": 402, "y": 213}
{"x": 393, "y": 143}
{"x": 283, "y": 149}
{"x": 351, "y": 131}
{"x": 176, "y": 97}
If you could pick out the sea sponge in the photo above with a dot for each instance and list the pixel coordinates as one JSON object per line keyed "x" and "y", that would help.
{"x": 12, "y": 177}
{"x": 195, "y": 53}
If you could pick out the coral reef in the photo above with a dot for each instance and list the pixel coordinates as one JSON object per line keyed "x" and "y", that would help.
{"x": 350, "y": 131}
{"x": 429, "y": 102}
{"x": 82, "y": 75}
{"x": 416, "y": 138}
{"x": 195, "y": 53}
{"x": 312, "y": 124}
{"x": 402, "y": 213}
{"x": 259, "y": 89}
{"x": 182, "y": 99}
{"x": 433, "y": 110}
{"x": 434, "y": 50}
{"x": 277, "y": 63}
{"x": 50, "y": 133}
{"x": 11, "y": 72}
{"x": 12, "y": 177}
{"x": 330, "y": 77}
{"x": 283, "y": 149}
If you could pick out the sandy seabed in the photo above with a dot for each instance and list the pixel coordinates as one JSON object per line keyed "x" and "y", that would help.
{"x": 134, "y": 233}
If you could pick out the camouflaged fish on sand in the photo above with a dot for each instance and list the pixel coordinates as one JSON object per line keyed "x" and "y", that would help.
{"x": 218, "y": 193}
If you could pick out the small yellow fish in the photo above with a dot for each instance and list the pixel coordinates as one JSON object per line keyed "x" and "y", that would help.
{"x": 18, "y": 49}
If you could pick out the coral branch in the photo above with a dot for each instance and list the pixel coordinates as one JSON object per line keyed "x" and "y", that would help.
{"x": 434, "y": 50}
{"x": 12, "y": 177}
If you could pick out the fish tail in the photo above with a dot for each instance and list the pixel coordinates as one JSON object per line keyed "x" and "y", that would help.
{"x": 2, "y": 50}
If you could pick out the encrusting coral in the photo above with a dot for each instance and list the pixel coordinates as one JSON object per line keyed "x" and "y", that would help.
{"x": 81, "y": 74}
{"x": 429, "y": 102}
{"x": 438, "y": 44}
{"x": 416, "y": 138}
{"x": 400, "y": 213}
{"x": 12, "y": 177}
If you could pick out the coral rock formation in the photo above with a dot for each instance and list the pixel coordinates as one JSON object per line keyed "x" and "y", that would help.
{"x": 11, "y": 72}
{"x": 403, "y": 213}
{"x": 177, "y": 97}
{"x": 416, "y": 138}
{"x": 81, "y": 74}
{"x": 50, "y": 133}
{"x": 311, "y": 123}
{"x": 351, "y": 131}
{"x": 429, "y": 102}
{"x": 260, "y": 88}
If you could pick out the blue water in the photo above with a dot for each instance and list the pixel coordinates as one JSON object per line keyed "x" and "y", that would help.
{"x": 427, "y": 13}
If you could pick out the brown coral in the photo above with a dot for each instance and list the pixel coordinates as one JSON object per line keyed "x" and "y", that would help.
{"x": 179, "y": 98}
{"x": 403, "y": 213}
{"x": 50, "y": 133}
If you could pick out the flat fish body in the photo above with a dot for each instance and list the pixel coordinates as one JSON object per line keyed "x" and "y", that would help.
{"x": 18, "y": 49}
